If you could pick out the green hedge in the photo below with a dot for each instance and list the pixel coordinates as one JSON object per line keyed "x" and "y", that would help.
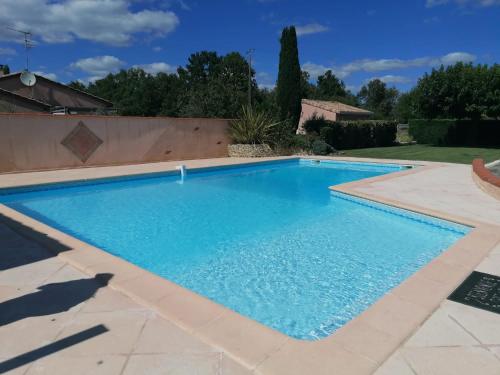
{"x": 344, "y": 135}
{"x": 474, "y": 133}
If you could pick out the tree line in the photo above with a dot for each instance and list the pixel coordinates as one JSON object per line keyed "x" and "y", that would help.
{"x": 212, "y": 85}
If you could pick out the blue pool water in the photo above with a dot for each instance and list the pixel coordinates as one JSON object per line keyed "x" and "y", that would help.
{"x": 269, "y": 241}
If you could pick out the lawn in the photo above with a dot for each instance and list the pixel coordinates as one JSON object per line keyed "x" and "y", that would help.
{"x": 463, "y": 155}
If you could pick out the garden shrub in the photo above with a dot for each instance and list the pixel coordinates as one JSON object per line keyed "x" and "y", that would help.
{"x": 344, "y": 135}
{"x": 434, "y": 132}
{"x": 314, "y": 124}
{"x": 327, "y": 134}
{"x": 252, "y": 127}
{"x": 439, "y": 132}
{"x": 320, "y": 147}
{"x": 384, "y": 133}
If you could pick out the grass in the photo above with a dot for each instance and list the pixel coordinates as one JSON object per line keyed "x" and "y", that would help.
{"x": 463, "y": 155}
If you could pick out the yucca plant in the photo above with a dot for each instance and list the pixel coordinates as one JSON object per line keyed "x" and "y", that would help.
{"x": 252, "y": 127}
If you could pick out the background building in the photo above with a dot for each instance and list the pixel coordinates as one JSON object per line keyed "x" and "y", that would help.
{"x": 47, "y": 96}
{"x": 333, "y": 111}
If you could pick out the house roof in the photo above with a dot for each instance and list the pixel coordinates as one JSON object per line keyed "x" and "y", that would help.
{"x": 336, "y": 107}
{"x": 38, "y": 77}
{"x": 23, "y": 98}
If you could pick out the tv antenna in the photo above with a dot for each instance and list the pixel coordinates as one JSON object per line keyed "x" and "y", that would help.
{"x": 28, "y": 44}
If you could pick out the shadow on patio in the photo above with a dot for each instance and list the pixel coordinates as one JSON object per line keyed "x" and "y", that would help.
{"x": 16, "y": 252}
{"x": 51, "y": 298}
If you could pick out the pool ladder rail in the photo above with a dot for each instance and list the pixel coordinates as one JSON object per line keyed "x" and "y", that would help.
{"x": 183, "y": 171}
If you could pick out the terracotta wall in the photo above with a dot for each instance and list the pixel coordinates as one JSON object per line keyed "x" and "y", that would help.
{"x": 486, "y": 180}
{"x": 34, "y": 141}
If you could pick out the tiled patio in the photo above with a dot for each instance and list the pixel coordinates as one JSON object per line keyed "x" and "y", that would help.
{"x": 44, "y": 301}
{"x": 54, "y": 319}
{"x": 457, "y": 339}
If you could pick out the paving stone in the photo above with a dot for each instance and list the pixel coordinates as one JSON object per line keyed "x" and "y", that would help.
{"x": 231, "y": 367}
{"x": 170, "y": 364}
{"x": 490, "y": 265}
{"x": 107, "y": 300}
{"x": 483, "y": 325}
{"x": 18, "y": 370}
{"x": 296, "y": 359}
{"x": 441, "y": 330}
{"x": 123, "y": 327}
{"x": 452, "y": 361}
{"x": 395, "y": 365}
{"x": 88, "y": 365}
{"x": 31, "y": 273}
{"x": 161, "y": 336}
{"x": 31, "y": 333}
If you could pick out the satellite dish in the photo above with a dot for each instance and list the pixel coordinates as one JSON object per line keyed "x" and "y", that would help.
{"x": 27, "y": 78}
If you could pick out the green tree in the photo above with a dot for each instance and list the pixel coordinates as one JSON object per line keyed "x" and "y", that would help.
{"x": 330, "y": 87}
{"x": 405, "y": 107}
{"x": 307, "y": 89}
{"x": 168, "y": 88}
{"x": 214, "y": 86}
{"x": 265, "y": 100}
{"x": 459, "y": 91}
{"x": 492, "y": 92}
{"x": 77, "y": 85}
{"x": 133, "y": 92}
{"x": 288, "y": 89}
{"x": 5, "y": 69}
{"x": 376, "y": 97}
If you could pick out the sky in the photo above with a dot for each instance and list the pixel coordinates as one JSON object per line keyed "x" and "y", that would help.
{"x": 396, "y": 41}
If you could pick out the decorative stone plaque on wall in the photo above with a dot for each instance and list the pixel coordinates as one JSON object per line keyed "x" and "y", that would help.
{"x": 480, "y": 290}
{"x": 82, "y": 142}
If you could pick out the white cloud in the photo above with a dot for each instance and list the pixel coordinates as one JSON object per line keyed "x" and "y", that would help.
{"x": 265, "y": 80}
{"x": 157, "y": 67}
{"x": 371, "y": 65}
{"x": 312, "y": 28}
{"x": 105, "y": 21}
{"x": 389, "y": 78}
{"x": 481, "y": 3}
{"x": 157, "y": 49}
{"x": 455, "y": 57}
{"x": 315, "y": 70}
{"x": 7, "y": 51}
{"x": 50, "y": 76}
{"x": 99, "y": 66}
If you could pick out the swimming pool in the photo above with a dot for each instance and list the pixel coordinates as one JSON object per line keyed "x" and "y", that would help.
{"x": 269, "y": 241}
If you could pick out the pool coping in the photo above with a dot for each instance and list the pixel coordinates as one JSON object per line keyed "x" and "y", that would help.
{"x": 359, "y": 347}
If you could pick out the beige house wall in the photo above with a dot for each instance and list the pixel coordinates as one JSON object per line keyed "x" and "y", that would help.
{"x": 309, "y": 111}
{"x": 33, "y": 141}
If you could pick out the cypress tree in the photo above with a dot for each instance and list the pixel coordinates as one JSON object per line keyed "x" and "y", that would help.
{"x": 289, "y": 77}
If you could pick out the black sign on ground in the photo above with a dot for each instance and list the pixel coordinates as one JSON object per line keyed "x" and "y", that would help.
{"x": 479, "y": 290}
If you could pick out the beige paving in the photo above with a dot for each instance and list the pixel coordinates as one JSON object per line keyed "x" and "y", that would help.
{"x": 456, "y": 339}
{"x": 449, "y": 189}
{"x": 44, "y": 301}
